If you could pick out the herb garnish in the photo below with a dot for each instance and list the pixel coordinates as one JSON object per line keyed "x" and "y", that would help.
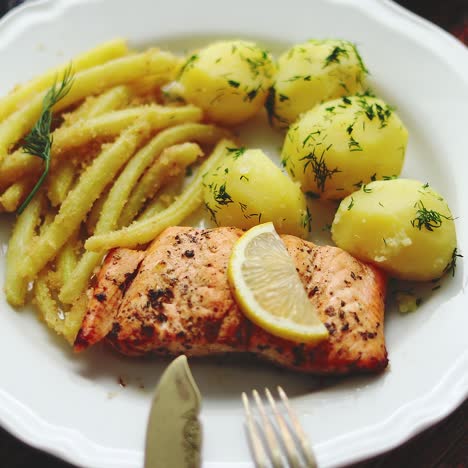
{"x": 351, "y": 203}
{"x": 233, "y": 83}
{"x": 320, "y": 169}
{"x": 236, "y": 152}
{"x": 38, "y": 142}
{"x": 252, "y": 94}
{"x": 353, "y": 145}
{"x": 343, "y": 85}
{"x": 430, "y": 219}
{"x": 212, "y": 213}
{"x": 298, "y": 77}
{"x": 188, "y": 64}
{"x": 270, "y": 107}
{"x": 306, "y": 220}
{"x": 221, "y": 196}
{"x": 334, "y": 56}
{"x": 311, "y": 135}
{"x": 452, "y": 264}
{"x": 254, "y": 215}
{"x": 258, "y": 64}
{"x": 375, "y": 110}
{"x": 361, "y": 62}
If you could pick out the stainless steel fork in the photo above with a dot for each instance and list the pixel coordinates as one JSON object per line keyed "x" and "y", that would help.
{"x": 273, "y": 436}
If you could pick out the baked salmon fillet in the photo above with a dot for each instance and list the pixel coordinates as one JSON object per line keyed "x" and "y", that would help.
{"x": 174, "y": 298}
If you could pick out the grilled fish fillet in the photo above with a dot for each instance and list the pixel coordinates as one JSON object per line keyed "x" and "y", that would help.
{"x": 174, "y": 298}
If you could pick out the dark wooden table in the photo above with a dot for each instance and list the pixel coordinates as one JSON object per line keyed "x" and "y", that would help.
{"x": 443, "y": 446}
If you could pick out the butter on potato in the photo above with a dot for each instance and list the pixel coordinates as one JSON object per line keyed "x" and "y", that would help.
{"x": 248, "y": 189}
{"x": 340, "y": 145}
{"x": 229, "y": 80}
{"x": 311, "y": 73}
{"x": 401, "y": 225}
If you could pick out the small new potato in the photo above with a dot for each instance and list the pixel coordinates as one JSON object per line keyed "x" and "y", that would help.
{"x": 248, "y": 189}
{"x": 340, "y": 145}
{"x": 311, "y": 73}
{"x": 401, "y": 225}
{"x": 229, "y": 80}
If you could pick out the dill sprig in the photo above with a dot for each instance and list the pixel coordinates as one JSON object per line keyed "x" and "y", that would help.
{"x": 38, "y": 142}
{"x": 334, "y": 56}
{"x": 361, "y": 62}
{"x": 430, "y": 219}
{"x": 375, "y": 110}
{"x": 354, "y": 145}
{"x": 189, "y": 63}
{"x": 212, "y": 213}
{"x": 270, "y": 106}
{"x": 252, "y": 94}
{"x": 236, "y": 152}
{"x": 319, "y": 168}
{"x": 306, "y": 220}
{"x": 299, "y": 77}
{"x": 221, "y": 196}
{"x": 452, "y": 264}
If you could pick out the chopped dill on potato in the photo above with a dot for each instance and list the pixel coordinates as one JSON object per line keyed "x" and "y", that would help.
{"x": 334, "y": 56}
{"x": 319, "y": 168}
{"x": 452, "y": 264}
{"x": 236, "y": 152}
{"x": 354, "y": 145}
{"x": 430, "y": 219}
{"x": 188, "y": 64}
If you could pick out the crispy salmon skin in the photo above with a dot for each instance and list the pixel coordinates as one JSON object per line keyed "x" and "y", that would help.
{"x": 176, "y": 299}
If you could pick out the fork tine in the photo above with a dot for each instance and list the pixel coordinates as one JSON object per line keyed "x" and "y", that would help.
{"x": 303, "y": 440}
{"x": 270, "y": 436}
{"x": 256, "y": 443}
{"x": 287, "y": 438}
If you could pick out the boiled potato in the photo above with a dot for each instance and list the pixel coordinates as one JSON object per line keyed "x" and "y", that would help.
{"x": 248, "y": 189}
{"x": 228, "y": 80}
{"x": 340, "y": 145}
{"x": 311, "y": 73}
{"x": 401, "y": 225}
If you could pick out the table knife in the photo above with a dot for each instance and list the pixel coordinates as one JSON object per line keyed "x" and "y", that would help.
{"x": 173, "y": 436}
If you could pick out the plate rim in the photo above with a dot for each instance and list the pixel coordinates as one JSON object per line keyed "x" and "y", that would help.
{"x": 428, "y": 409}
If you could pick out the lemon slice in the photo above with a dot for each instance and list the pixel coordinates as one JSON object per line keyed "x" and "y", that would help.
{"x": 268, "y": 289}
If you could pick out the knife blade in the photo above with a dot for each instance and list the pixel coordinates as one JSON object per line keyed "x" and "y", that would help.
{"x": 174, "y": 433}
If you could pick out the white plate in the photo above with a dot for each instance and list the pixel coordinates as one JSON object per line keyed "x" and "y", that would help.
{"x": 73, "y": 406}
